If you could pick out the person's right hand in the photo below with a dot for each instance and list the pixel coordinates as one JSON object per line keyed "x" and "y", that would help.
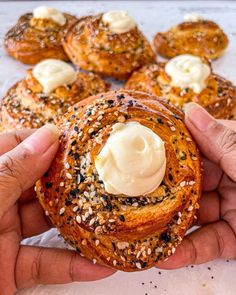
{"x": 24, "y": 157}
{"x": 217, "y": 215}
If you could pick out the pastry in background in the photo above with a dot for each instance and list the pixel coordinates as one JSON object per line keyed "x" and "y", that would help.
{"x": 109, "y": 44}
{"x": 46, "y": 93}
{"x": 38, "y": 35}
{"x": 126, "y": 181}
{"x": 187, "y": 78}
{"x": 195, "y": 36}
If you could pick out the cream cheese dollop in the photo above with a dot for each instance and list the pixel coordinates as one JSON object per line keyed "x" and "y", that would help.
{"x": 193, "y": 17}
{"x": 118, "y": 21}
{"x": 132, "y": 161}
{"x": 52, "y": 73}
{"x": 188, "y": 71}
{"x": 46, "y": 12}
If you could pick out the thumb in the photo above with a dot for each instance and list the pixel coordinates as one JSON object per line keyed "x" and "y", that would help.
{"x": 21, "y": 167}
{"x": 215, "y": 140}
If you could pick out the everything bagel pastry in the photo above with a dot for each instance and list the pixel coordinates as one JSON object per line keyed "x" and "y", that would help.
{"x": 125, "y": 184}
{"x": 109, "y": 44}
{"x": 194, "y": 36}
{"x": 38, "y": 35}
{"x": 46, "y": 93}
{"x": 184, "y": 79}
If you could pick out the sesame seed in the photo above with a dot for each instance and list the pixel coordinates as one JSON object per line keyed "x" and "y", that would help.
{"x": 92, "y": 221}
{"x": 62, "y": 210}
{"x": 188, "y": 139}
{"x": 68, "y": 175}
{"x": 78, "y": 219}
{"x": 67, "y": 165}
{"x": 100, "y": 118}
{"x": 149, "y": 251}
{"x": 94, "y": 261}
{"x": 97, "y": 243}
{"x": 192, "y": 182}
{"x": 173, "y": 250}
{"x": 84, "y": 242}
{"x": 62, "y": 184}
{"x": 86, "y": 194}
{"x": 138, "y": 265}
{"x": 190, "y": 208}
{"x": 90, "y": 210}
{"x": 138, "y": 254}
{"x": 114, "y": 262}
{"x": 75, "y": 208}
{"x": 183, "y": 183}
{"x": 111, "y": 220}
{"x": 91, "y": 130}
{"x": 194, "y": 158}
{"x": 179, "y": 221}
{"x": 172, "y": 128}
{"x": 46, "y": 213}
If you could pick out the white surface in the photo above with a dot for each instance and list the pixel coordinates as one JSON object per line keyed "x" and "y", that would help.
{"x": 152, "y": 16}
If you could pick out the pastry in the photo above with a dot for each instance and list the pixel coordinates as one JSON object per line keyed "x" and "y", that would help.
{"x": 126, "y": 181}
{"x": 46, "y": 93}
{"x": 194, "y": 36}
{"x": 38, "y": 35}
{"x": 180, "y": 81}
{"x": 109, "y": 44}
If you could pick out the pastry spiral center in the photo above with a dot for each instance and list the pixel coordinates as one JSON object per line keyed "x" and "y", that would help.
{"x": 52, "y": 73}
{"x": 132, "y": 161}
{"x": 118, "y": 21}
{"x": 45, "y": 12}
{"x": 188, "y": 71}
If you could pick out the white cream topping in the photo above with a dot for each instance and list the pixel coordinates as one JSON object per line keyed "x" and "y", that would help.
{"x": 118, "y": 21}
{"x": 46, "y": 12}
{"x": 188, "y": 71}
{"x": 52, "y": 73}
{"x": 193, "y": 17}
{"x": 132, "y": 161}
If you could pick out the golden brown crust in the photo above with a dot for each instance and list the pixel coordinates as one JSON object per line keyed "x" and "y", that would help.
{"x": 91, "y": 46}
{"x": 26, "y": 106}
{"x": 125, "y": 233}
{"x": 32, "y": 40}
{"x": 203, "y": 38}
{"x": 219, "y": 96}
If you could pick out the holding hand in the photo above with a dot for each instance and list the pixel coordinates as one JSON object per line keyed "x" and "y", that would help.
{"x": 24, "y": 157}
{"x": 217, "y": 215}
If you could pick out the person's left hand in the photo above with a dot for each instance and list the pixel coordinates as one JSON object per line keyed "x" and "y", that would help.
{"x": 24, "y": 157}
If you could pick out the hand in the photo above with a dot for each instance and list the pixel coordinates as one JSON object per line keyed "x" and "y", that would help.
{"x": 24, "y": 157}
{"x": 217, "y": 215}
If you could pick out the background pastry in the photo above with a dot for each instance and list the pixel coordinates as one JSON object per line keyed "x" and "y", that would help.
{"x": 194, "y": 81}
{"x": 135, "y": 216}
{"x": 38, "y": 35}
{"x": 46, "y": 93}
{"x": 109, "y": 44}
{"x": 194, "y": 36}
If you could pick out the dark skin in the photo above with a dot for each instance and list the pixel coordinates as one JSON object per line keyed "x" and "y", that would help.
{"x": 21, "y": 216}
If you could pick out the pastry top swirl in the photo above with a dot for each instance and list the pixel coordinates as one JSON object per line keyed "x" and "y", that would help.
{"x": 203, "y": 38}
{"x": 218, "y": 96}
{"x": 128, "y": 233}
{"x": 91, "y": 45}
{"x": 26, "y": 105}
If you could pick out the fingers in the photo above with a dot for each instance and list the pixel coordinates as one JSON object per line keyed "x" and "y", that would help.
{"x": 209, "y": 208}
{"x": 33, "y": 219}
{"x": 216, "y": 240}
{"x": 11, "y": 139}
{"x": 26, "y": 163}
{"x": 212, "y": 175}
{"x": 216, "y": 141}
{"x": 36, "y": 265}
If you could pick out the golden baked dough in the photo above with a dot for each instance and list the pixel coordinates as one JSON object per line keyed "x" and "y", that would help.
{"x": 32, "y": 40}
{"x": 26, "y": 106}
{"x": 126, "y": 233}
{"x": 91, "y": 46}
{"x": 218, "y": 98}
{"x": 203, "y": 38}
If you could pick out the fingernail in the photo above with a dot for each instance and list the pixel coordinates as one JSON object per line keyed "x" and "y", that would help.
{"x": 198, "y": 116}
{"x": 41, "y": 140}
